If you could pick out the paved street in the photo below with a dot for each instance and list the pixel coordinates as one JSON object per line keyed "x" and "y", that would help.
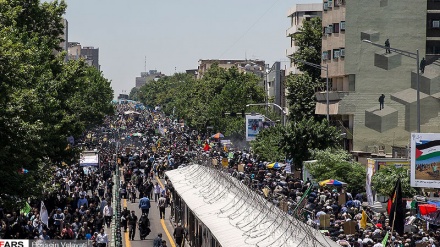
{"x": 156, "y": 225}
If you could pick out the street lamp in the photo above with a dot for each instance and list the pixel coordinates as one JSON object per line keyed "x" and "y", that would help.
{"x": 272, "y": 104}
{"x": 325, "y": 68}
{"x": 410, "y": 55}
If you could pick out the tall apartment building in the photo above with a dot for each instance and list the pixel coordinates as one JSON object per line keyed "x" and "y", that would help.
{"x": 297, "y": 14}
{"x": 361, "y": 72}
{"x": 276, "y": 88}
{"x": 88, "y": 53}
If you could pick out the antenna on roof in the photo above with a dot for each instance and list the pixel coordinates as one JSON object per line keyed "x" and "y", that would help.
{"x": 145, "y": 64}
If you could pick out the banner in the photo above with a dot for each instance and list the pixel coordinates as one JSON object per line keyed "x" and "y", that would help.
{"x": 44, "y": 215}
{"x": 370, "y": 173}
{"x": 253, "y": 126}
{"x": 425, "y": 160}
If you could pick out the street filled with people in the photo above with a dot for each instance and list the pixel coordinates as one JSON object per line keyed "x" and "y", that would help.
{"x": 143, "y": 144}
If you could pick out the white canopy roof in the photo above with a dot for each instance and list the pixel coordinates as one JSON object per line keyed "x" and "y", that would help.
{"x": 237, "y": 216}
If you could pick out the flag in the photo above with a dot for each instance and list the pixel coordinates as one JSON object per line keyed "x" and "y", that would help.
{"x": 44, "y": 215}
{"x": 427, "y": 151}
{"x": 385, "y": 240}
{"x": 26, "y": 209}
{"x": 396, "y": 209}
{"x": 364, "y": 220}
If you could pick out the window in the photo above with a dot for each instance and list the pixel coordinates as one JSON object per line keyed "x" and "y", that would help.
{"x": 338, "y": 3}
{"x": 436, "y": 24}
{"x": 342, "y": 52}
{"x": 335, "y": 27}
{"x": 324, "y": 55}
{"x": 336, "y": 53}
{"x": 330, "y": 3}
{"x": 342, "y": 26}
{"x": 329, "y": 29}
{"x": 325, "y": 6}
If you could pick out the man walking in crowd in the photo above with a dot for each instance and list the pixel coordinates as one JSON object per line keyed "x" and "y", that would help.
{"x": 158, "y": 240}
{"x": 132, "y": 223}
{"x": 144, "y": 205}
{"x": 102, "y": 239}
{"x": 178, "y": 234}
{"x": 156, "y": 189}
{"x": 108, "y": 214}
{"x": 161, "y": 205}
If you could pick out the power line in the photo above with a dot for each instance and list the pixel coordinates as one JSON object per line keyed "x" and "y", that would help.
{"x": 244, "y": 34}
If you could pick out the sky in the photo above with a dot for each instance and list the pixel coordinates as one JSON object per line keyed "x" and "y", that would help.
{"x": 173, "y": 35}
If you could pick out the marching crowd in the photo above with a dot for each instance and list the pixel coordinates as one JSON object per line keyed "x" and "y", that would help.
{"x": 80, "y": 207}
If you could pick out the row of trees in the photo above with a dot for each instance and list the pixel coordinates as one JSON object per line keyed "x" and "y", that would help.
{"x": 43, "y": 99}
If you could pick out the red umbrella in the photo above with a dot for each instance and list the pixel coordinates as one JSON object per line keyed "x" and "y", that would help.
{"x": 218, "y": 135}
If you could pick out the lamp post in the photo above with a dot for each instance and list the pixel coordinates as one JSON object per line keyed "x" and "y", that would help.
{"x": 410, "y": 55}
{"x": 272, "y": 104}
{"x": 325, "y": 68}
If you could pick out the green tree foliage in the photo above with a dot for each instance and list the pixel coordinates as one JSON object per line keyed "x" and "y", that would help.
{"x": 301, "y": 96}
{"x": 308, "y": 39}
{"x": 43, "y": 100}
{"x": 336, "y": 164}
{"x": 134, "y": 94}
{"x": 384, "y": 180}
{"x": 202, "y": 102}
{"x": 306, "y": 135}
{"x": 266, "y": 145}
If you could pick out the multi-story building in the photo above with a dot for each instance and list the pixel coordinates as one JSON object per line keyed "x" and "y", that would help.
{"x": 297, "y": 14}
{"x": 360, "y": 73}
{"x": 276, "y": 85}
{"x": 147, "y": 77}
{"x": 88, "y": 53}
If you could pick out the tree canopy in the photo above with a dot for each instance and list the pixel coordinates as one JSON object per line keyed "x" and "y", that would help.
{"x": 384, "y": 180}
{"x": 336, "y": 164}
{"x": 43, "y": 99}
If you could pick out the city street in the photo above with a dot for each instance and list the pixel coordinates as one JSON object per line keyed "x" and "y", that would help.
{"x": 157, "y": 225}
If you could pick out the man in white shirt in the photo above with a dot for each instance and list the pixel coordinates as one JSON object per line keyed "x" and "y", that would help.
{"x": 102, "y": 239}
{"x": 108, "y": 214}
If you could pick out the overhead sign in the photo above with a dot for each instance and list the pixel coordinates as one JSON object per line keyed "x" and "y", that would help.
{"x": 89, "y": 159}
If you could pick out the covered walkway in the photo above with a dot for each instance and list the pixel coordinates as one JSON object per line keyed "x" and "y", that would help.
{"x": 218, "y": 210}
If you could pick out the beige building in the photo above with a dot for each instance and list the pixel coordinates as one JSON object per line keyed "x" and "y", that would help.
{"x": 360, "y": 72}
{"x": 297, "y": 14}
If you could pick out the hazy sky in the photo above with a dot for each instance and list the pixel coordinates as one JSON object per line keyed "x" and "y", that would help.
{"x": 174, "y": 34}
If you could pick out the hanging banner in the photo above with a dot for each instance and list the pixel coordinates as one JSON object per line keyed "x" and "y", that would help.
{"x": 425, "y": 160}
{"x": 370, "y": 173}
{"x": 253, "y": 126}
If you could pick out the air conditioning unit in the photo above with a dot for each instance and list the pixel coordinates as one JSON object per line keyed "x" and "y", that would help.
{"x": 330, "y": 3}
{"x": 342, "y": 52}
{"x": 325, "y": 6}
{"x": 436, "y": 24}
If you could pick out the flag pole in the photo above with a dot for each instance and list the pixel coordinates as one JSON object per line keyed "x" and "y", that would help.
{"x": 395, "y": 209}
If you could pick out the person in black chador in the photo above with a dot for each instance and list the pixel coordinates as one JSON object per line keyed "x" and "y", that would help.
{"x": 144, "y": 226}
{"x": 422, "y": 65}
{"x": 387, "y": 46}
{"x": 381, "y": 102}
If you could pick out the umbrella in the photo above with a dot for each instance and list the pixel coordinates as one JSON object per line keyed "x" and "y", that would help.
{"x": 137, "y": 134}
{"x": 332, "y": 182}
{"x": 275, "y": 165}
{"x": 218, "y": 135}
{"x": 427, "y": 209}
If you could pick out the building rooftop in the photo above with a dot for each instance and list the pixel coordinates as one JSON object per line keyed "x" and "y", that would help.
{"x": 305, "y": 7}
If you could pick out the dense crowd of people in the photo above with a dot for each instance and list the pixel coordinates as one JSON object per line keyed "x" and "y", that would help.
{"x": 150, "y": 143}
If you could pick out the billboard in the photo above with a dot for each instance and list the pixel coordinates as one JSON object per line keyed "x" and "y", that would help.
{"x": 253, "y": 126}
{"x": 425, "y": 160}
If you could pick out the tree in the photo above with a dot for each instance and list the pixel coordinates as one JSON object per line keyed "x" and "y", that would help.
{"x": 309, "y": 42}
{"x": 266, "y": 145}
{"x": 306, "y": 135}
{"x": 384, "y": 180}
{"x": 134, "y": 94}
{"x": 301, "y": 96}
{"x": 43, "y": 100}
{"x": 337, "y": 164}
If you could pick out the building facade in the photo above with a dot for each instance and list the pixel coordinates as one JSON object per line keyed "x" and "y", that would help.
{"x": 276, "y": 88}
{"x": 360, "y": 73}
{"x": 88, "y": 53}
{"x": 147, "y": 77}
{"x": 297, "y": 14}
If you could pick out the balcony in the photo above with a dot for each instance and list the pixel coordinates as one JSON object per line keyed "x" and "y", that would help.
{"x": 290, "y": 51}
{"x": 291, "y": 30}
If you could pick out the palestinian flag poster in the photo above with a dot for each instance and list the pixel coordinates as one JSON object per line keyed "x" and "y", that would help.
{"x": 425, "y": 160}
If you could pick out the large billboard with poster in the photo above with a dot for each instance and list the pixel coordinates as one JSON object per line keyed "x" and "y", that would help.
{"x": 254, "y": 123}
{"x": 425, "y": 160}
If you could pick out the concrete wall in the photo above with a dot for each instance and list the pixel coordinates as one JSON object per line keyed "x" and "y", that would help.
{"x": 376, "y": 73}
